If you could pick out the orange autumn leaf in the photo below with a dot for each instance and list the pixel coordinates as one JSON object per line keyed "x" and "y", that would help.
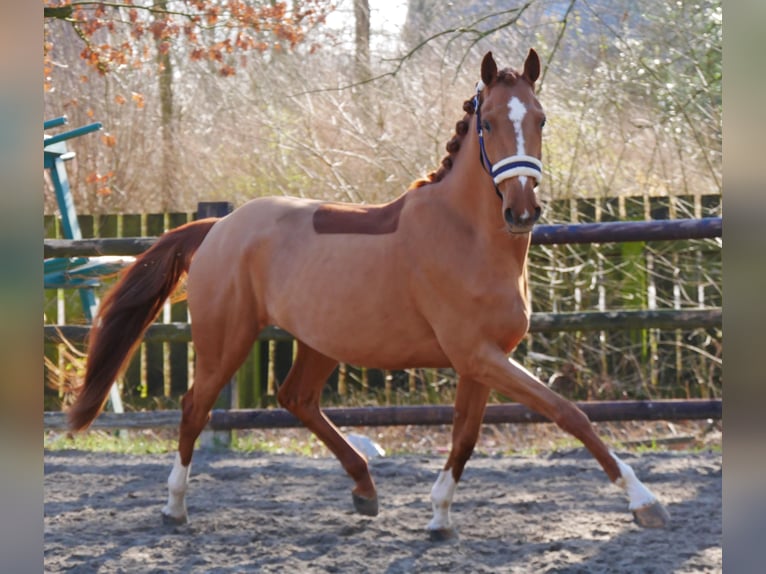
{"x": 138, "y": 99}
{"x": 146, "y": 29}
{"x": 120, "y": 99}
{"x": 109, "y": 140}
{"x": 95, "y": 177}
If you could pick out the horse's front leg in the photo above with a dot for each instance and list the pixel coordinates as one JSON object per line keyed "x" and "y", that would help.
{"x": 508, "y": 377}
{"x": 470, "y": 402}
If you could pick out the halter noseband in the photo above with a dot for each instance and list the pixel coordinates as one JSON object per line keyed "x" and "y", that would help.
{"x": 511, "y": 166}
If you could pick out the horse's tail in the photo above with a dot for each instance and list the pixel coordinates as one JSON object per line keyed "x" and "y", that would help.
{"x": 128, "y": 309}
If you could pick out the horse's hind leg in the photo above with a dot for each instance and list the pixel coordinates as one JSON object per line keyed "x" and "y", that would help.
{"x": 221, "y": 346}
{"x": 470, "y": 403}
{"x": 300, "y": 394}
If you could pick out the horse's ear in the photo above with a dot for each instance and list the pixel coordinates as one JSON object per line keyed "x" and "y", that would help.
{"x": 532, "y": 67}
{"x": 488, "y": 69}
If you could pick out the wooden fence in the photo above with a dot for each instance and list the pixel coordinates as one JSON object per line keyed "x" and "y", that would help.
{"x": 418, "y": 415}
{"x": 666, "y": 297}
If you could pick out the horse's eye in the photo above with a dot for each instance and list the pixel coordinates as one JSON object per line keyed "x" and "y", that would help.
{"x": 485, "y": 126}
{"x": 542, "y": 124}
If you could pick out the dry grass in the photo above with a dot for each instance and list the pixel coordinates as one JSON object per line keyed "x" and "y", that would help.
{"x": 506, "y": 439}
{"x": 501, "y": 439}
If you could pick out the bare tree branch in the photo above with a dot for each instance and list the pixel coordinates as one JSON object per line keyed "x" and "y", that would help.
{"x": 457, "y": 32}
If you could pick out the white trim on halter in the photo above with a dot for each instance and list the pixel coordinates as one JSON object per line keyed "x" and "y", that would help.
{"x": 517, "y": 165}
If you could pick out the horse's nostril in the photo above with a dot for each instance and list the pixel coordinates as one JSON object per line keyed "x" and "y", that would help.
{"x": 524, "y": 218}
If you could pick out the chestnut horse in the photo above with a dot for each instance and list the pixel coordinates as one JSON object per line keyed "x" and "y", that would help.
{"x": 435, "y": 278}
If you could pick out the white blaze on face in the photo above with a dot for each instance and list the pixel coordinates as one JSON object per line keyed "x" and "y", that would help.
{"x": 516, "y": 112}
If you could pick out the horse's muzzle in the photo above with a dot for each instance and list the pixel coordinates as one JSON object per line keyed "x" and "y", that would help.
{"x": 521, "y": 222}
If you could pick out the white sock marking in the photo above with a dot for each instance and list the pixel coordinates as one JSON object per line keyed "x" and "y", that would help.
{"x": 638, "y": 495}
{"x": 441, "y": 499}
{"x": 177, "y": 481}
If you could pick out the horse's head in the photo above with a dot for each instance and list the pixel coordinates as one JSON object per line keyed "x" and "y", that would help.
{"x": 509, "y": 124}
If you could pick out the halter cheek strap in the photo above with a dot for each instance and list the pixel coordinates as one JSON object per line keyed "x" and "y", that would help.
{"x": 512, "y": 166}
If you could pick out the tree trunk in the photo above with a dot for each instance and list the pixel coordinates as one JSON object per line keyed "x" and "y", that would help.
{"x": 165, "y": 78}
{"x": 416, "y": 25}
{"x": 362, "y": 67}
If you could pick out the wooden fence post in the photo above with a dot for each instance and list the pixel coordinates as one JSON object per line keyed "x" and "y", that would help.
{"x": 228, "y": 397}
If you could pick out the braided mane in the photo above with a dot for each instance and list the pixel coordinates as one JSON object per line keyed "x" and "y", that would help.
{"x": 507, "y": 76}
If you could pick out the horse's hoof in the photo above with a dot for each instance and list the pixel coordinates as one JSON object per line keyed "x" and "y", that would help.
{"x": 442, "y": 534}
{"x": 652, "y": 516}
{"x": 169, "y": 520}
{"x": 365, "y": 506}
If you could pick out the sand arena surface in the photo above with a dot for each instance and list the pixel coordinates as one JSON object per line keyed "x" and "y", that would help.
{"x": 256, "y": 512}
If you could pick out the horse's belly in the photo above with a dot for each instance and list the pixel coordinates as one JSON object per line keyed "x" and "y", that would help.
{"x": 370, "y": 333}
{"x": 360, "y": 313}
{"x": 381, "y": 351}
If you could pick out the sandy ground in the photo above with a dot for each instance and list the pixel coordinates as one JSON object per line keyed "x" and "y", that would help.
{"x": 258, "y": 512}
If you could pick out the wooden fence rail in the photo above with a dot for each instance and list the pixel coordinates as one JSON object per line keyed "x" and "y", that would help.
{"x": 609, "y": 232}
{"x": 424, "y": 415}
{"x": 539, "y": 323}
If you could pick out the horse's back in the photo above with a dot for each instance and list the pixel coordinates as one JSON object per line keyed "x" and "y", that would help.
{"x": 346, "y": 294}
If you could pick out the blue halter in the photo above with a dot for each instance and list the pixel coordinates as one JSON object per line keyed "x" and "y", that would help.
{"x": 512, "y": 166}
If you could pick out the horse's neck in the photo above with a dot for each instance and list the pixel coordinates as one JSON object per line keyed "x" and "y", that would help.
{"x": 469, "y": 193}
